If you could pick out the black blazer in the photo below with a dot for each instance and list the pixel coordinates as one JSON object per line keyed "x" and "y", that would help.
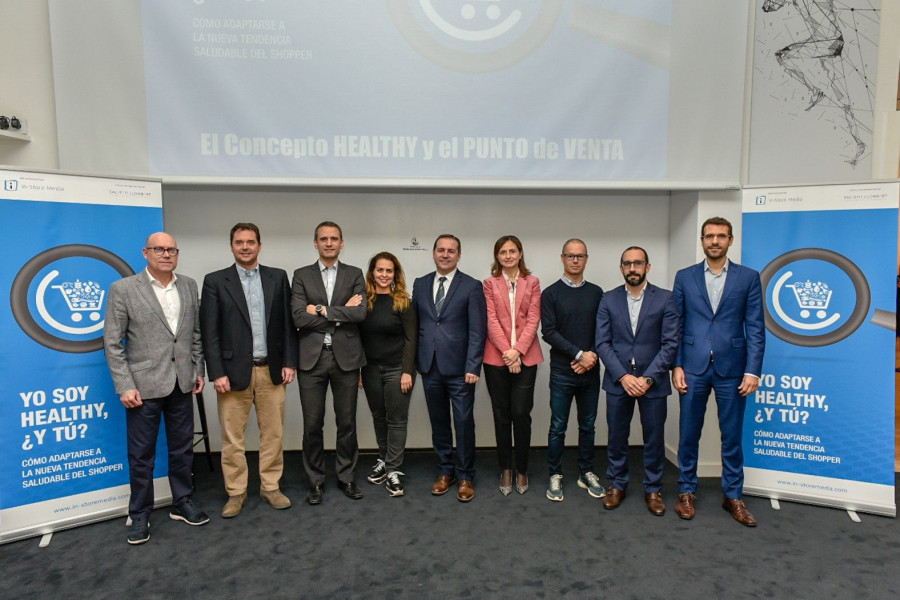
{"x": 342, "y": 321}
{"x": 225, "y": 326}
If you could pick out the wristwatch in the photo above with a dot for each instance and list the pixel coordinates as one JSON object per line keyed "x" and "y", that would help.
{"x": 319, "y": 309}
{"x": 649, "y": 381}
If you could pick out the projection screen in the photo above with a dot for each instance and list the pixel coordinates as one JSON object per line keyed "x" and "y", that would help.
{"x": 535, "y": 91}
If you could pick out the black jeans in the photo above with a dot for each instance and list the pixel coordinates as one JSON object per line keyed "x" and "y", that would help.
{"x": 390, "y": 412}
{"x": 512, "y": 398}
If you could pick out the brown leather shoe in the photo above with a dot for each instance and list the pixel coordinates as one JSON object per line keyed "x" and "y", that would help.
{"x": 685, "y": 506}
{"x": 655, "y": 503}
{"x": 740, "y": 512}
{"x": 613, "y": 499}
{"x": 465, "y": 492}
{"x": 442, "y": 485}
{"x": 276, "y": 499}
{"x": 234, "y": 505}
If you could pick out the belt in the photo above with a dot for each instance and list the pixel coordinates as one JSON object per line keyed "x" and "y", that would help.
{"x": 326, "y": 347}
{"x": 259, "y": 362}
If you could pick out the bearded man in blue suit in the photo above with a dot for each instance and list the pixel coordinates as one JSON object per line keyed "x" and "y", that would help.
{"x": 637, "y": 338}
{"x": 720, "y": 309}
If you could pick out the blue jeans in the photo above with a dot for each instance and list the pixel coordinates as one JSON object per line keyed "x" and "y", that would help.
{"x": 586, "y": 391}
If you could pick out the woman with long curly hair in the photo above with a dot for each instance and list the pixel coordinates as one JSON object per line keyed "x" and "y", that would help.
{"x": 389, "y": 335}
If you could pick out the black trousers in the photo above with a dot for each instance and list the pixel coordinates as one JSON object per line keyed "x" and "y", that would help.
{"x": 512, "y": 398}
{"x": 344, "y": 387}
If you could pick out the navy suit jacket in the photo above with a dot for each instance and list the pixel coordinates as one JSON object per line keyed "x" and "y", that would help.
{"x": 734, "y": 337}
{"x": 225, "y": 326}
{"x": 455, "y": 340}
{"x": 652, "y": 346}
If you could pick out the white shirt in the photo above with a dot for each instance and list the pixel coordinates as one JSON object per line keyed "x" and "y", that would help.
{"x": 168, "y": 298}
{"x": 437, "y": 283}
{"x": 329, "y": 276}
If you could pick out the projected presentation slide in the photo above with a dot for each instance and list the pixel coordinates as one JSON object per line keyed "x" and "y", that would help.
{"x": 429, "y": 88}
{"x": 465, "y": 90}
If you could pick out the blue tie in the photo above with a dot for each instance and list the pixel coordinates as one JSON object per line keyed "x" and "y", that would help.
{"x": 439, "y": 299}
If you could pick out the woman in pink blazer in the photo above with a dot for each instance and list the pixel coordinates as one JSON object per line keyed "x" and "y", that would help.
{"x": 511, "y": 356}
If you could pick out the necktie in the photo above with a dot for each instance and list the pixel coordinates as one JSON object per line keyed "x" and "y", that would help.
{"x": 439, "y": 299}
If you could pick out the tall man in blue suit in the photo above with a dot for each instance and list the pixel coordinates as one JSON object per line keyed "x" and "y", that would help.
{"x": 720, "y": 311}
{"x": 637, "y": 338}
{"x": 452, "y": 330}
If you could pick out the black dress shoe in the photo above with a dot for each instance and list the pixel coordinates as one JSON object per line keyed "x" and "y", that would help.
{"x": 315, "y": 495}
{"x": 350, "y": 489}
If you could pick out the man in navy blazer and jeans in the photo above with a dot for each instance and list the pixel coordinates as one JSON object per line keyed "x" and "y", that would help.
{"x": 250, "y": 345}
{"x": 723, "y": 337}
{"x": 452, "y": 329}
{"x": 637, "y": 338}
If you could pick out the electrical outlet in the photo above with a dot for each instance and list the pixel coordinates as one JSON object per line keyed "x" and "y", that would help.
{"x": 23, "y": 126}
{"x": 15, "y": 133}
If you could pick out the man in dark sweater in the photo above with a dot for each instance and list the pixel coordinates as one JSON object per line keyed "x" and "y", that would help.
{"x": 568, "y": 324}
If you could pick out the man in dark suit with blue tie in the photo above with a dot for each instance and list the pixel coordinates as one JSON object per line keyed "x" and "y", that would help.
{"x": 452, "y": 329}
{"x": 327, "y": 303}
{"x": 637, "y": 338}
{"x": 720, "y": 310}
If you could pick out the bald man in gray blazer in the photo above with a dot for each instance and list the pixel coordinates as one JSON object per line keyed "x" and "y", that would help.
{"x": 151, "y": 337}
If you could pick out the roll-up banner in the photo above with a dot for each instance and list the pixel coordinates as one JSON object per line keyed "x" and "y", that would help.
{"x": 63, "y": 456}
{"x": 820, "y": 429}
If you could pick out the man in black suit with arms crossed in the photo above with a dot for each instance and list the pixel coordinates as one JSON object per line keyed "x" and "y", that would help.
{"x": 327, "y": 303}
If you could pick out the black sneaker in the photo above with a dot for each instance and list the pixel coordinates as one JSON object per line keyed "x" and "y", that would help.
{"x": 392, "y": 483}
{"x": 140, "y": 531}
{"x": 188, "y": 512}
{"x": 378, "y": 474}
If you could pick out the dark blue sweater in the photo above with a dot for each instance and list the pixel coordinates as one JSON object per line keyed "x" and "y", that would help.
{"x": 569, "y": 322}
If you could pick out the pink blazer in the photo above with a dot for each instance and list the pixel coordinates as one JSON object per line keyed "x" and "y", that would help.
{"x": 499, "y": 322}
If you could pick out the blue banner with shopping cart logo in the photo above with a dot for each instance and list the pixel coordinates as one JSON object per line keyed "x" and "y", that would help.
{"x": 62, "y": 427}
{"x": 820, "y": 429}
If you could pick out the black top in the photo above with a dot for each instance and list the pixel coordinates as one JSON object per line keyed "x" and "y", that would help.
{"x": 569, "y": 322}
{"x": 389, "y": 338}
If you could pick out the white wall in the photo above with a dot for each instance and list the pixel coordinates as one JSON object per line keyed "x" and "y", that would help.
{"x": 26, "y": 74}
{"x": 373, "y": 221}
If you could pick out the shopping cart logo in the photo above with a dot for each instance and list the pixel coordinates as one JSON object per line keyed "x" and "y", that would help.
{"x": 58, "y": 296}
{"x": 82, "y": 298}
{"x": 814, "y": 297}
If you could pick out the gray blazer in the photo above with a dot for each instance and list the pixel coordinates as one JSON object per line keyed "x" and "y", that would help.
{"x": 342, "y": 321}
{"x": 151, "y": 357}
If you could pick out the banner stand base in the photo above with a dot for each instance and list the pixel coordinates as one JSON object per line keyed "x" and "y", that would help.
{"x": 45, "y": 540}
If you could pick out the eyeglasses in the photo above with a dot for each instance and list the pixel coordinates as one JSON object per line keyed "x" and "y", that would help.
{"x": 575, "y": 256}
{"x": 636, "y": 263}
{"x": 159, "y": 251}
{"x": 716, "y": 236}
